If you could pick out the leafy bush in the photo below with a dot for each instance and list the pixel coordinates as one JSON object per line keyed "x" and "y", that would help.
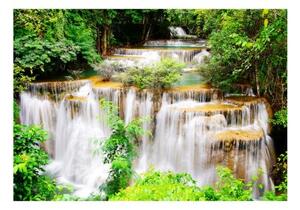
{"x": 32, "y": 52}
{"x": 29, "y": 161}
{"x": 21, "y": 79}
{"x": 228, "y": 188}
{"x": 248, "y": 46}
{"x": 47, "y": 40}
{"x": 159, "y": 75}
{"x": 168, "y": 186}
{"x": 280, "y": 118}
{"x": 16, "y": 110}
{"x": 108, "y": 69}
{"x": 119, "y": 149}
{"x": 158, "y": 186}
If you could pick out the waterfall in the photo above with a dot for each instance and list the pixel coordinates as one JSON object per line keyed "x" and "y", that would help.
{"x": 195, "y": 137}
{"x": 194, "y": 127}
{"x": 199, "y": 57}
{"x": 74, "y": 126}
{"x": 39, "y": 111}
{"x": 129, "y": 105}
{"x": 177, "y": 31}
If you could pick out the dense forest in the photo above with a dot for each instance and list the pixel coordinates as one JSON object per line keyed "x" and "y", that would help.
{"x": 248, "y": 48}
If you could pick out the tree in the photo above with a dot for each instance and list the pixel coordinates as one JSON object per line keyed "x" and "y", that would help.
{"x": 160, "y": 75}
{"x": 45, "y": 41}
{"x": 250, "y": 45}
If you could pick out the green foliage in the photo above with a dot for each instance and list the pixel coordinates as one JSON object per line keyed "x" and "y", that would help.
{"x": 119, "y": 149}
{"x": 29, "y": 160}
{"x": 182, "y": 17}
{"x": 77, "y": 30}
{"x": 280, "y": 118}
{"x": 249, "y": 45}
{"x": 16, "y": 110}
{"x": 47, "y": 40}
{"x": 168, "y": 186}
{"x": 159, "y": 75}
{"x": 229, "y": 188}
{"x": 21, "y": 80}
{"x": 34, "y": 53}
{"x": 160, "y": 186}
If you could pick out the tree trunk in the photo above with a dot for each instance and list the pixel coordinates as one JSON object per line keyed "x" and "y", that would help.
{"x": 104, "y": 41}
{"x": 98, "y": 40}
{"x": 257, "y": 80}
{"x": 148, "y": 32}
{"x": 144, "y": 29}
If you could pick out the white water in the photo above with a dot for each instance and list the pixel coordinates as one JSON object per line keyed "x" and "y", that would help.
{"x": 199, "y": 57}
{"x": 175, "y": 43}
{"x": 177, "y": 31}
{"x": 155, "y": 54}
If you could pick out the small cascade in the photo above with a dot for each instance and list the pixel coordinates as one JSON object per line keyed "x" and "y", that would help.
{"x": 193, "y": 92}
{"x": 200, "y": 57}
{"x": 110, "y": 94}
{"x": 37, "y": 110}
{"x": 181, "y": 54}
{"x": 56, "y": 89}
{"x": 177, "y": 31}
{"x": 126, "y": 61}
{"x": 175, "y": 43}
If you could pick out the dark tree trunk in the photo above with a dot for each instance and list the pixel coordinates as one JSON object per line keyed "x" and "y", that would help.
{"x": 148, "y": 32}
{"x": 104, "y": 40}
{"x": 257, "y": 80}
{"x": 98, "y": 40}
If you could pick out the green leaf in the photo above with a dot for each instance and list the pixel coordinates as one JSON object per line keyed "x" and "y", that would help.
{"x": 266, "y": 22}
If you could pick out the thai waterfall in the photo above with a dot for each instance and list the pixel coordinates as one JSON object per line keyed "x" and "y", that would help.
{"x": 194, "y": 129}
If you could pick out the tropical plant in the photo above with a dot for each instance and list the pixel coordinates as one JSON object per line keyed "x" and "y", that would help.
{"x": 119, "y": 148}
{"x": 29, "y": 162}
{"x": 160, "y": 75}
{"x": 280, "y": 118}
{"x": 249, "y": 45}
{"x": 169, "y": 186}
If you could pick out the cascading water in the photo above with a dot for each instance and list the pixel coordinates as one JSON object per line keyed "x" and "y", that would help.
{"x": 176, "y": 43}
{"x": 195, "y": 137}
{"x": 194, "y": 128}
{"x": 177, "y": 31}
{"x": 74, "y": 127}
{"x": 184, "y": 54}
